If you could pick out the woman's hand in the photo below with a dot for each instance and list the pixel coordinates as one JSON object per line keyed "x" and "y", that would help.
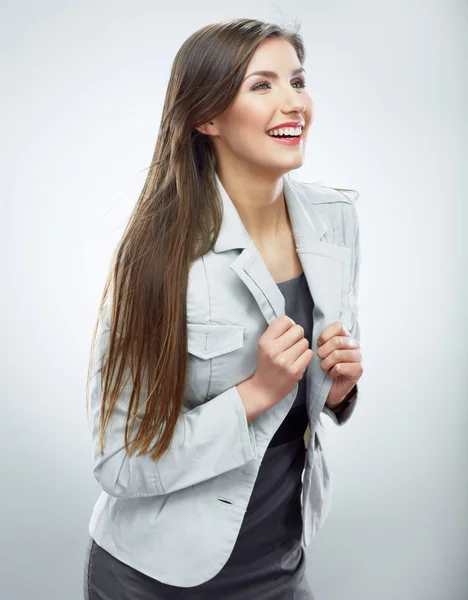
{"x": 283, "y": 355}
{"x": 341, "y": 360}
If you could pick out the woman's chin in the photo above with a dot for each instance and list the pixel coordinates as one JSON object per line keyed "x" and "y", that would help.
{"x": 292, "y": 162}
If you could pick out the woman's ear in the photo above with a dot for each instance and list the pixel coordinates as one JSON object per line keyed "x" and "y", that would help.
{"x": 208, "y": 128}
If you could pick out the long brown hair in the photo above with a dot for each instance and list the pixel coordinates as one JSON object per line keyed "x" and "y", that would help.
{"x": 176, "y": 220}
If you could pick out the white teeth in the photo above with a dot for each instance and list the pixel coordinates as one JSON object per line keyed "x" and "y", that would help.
{"x": 286, "y": 131}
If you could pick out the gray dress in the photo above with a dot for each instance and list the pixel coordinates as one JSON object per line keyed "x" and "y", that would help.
{"x": 268, "y": 560}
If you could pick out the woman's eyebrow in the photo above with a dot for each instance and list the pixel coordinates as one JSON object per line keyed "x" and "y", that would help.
{"x": 273, "y": 74}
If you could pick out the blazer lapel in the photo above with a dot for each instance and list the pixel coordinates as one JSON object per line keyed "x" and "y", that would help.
{"x": 326, "y": 268}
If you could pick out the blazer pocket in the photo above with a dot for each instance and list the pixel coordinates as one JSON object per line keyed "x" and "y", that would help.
{"x": 214, "y": 364}
{"x": 207, "y": 340}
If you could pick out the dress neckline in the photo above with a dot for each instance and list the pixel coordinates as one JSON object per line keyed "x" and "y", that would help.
{"x": 289, "y": 280}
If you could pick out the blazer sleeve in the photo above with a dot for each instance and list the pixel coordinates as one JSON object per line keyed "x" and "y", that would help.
{"x": 210, "y": 439}
{"x": 344, "y": 412}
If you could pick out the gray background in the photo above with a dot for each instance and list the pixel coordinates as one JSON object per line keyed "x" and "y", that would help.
{"x": 83, "y": 85}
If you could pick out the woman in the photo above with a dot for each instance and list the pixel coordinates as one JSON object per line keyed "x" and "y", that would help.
{"x": 196, "y": 354}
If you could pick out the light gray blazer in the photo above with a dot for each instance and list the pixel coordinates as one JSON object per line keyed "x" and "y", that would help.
{"x": 177, "y": 519}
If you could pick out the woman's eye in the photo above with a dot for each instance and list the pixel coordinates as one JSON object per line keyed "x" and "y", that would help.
{"x": 302, "y": 82}
{"x": 258, "y": 86}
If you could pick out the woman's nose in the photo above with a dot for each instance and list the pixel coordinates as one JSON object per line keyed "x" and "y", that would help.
{"x": 294, "y": 103}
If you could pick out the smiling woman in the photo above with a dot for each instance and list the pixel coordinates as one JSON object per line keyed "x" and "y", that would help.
{"x": 263, "y": 98}
{"x": 202, "y": 391}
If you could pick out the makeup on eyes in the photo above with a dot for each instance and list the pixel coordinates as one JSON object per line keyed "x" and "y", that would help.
{"x": 257, "y": 85}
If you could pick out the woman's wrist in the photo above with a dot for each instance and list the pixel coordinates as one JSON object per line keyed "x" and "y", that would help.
{"x": 346, "y": 400}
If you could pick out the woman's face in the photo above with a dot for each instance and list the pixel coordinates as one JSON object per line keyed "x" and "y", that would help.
{"x": 261, "y": 103}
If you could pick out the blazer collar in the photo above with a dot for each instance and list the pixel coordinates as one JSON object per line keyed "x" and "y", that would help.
{"x": 305, "y": 219}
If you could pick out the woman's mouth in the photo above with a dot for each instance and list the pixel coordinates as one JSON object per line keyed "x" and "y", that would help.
{"x": 289, "y": 135}
{"x": 287, "y": 139}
